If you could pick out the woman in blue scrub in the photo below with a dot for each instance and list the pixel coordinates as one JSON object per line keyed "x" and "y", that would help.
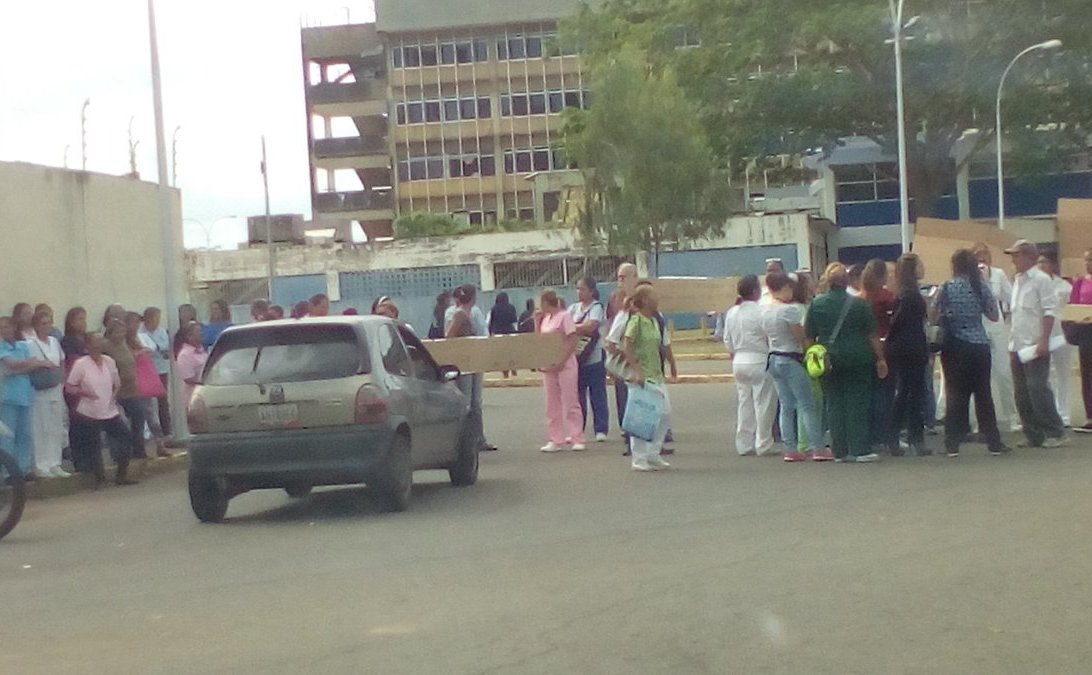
{"x": 15, "y": 363}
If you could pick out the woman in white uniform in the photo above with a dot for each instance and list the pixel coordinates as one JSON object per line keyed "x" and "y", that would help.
{"x": 748, "y": 347}
{"x": 1061, "y": 358}
{"x": 48, "y": 435}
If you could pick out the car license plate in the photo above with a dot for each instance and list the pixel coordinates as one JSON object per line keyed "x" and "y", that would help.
{"x": 279, "y": 415}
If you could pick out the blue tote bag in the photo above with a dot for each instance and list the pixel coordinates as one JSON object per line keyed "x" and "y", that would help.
{"x": 644, "y": 409}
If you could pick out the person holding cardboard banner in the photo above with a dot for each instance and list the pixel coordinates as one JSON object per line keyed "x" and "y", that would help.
{"x": 1080, "y": 334}
{"x": 1034, "y": 311}
{"x": 564, "y": 421}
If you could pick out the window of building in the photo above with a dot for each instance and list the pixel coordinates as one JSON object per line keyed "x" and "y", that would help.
{"x": 526, "y": 160}
{"x": 537, "y": 104}
{"x": 447, "y": 53}
{"x": 527, "y": 46}
{"x": 533, "y": 46}
{"x": 429, "y": 55}
{"x": 447, "y": 110}
{"x": 451, "y": 166}
{"x": 866, "y": 182}
{"x": 481, "y": 50}
{"x": 432, "y": 111}
{"x": 451, "y": 109}
{"x": 485, "y": 108}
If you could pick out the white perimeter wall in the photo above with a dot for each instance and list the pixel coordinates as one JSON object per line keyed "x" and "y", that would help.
{"x": 75, "y": 238}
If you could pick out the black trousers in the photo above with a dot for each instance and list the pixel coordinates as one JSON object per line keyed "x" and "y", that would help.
{"x": 164, "y": 407}
{"x": 908, "y": 374}
{"x": 1084, "y": 351}
{"x": 621, "y": 396}
{"x": 137, "y": 415}
{"x": 967, "y": 373}
{"x": 85, "y": 435}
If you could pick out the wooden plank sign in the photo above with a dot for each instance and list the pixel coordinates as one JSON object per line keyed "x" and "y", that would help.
{"x": 1073, "y": 267}
{"x": 1077, "y": 313}
{"x": 936, "y": 240}
{"x": 522, "y": 351}
{"x": 680, "y": 295}
{"x": 1074, "y": 227}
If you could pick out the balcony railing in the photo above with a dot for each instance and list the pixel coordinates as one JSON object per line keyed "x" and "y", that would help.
{"x": 349, "y": 92}
{"x": 365, "y": 200}
{"x": 350, "y": 146}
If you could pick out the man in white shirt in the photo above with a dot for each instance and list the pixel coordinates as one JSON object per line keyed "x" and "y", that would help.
{"x": 773, "y": 266}
{"x": 1004, "y": 398}
{"x": 1034, "y": 310}
{"x": 748, "y": 347}
{"x": 617, "y": 316}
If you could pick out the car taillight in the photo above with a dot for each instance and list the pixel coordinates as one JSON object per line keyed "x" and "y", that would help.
{"x": 370, "y": 407}
{"x": 197, "y": 415}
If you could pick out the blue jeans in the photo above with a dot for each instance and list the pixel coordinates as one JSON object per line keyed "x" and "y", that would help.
{"x": 795, "y": 395}
{"x": 17, "y": 418}
{"x": 592, "y": 383}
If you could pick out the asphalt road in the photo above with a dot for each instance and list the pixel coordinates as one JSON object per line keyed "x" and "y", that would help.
{"x": 573, "y": 563}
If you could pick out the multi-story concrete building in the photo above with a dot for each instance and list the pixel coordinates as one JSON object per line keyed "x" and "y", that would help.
{"x": 443, "y": 107}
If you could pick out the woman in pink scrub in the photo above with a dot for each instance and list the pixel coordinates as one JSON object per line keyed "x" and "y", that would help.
{"x": 564, "y": 420}
{"x": 191, "y": 360}
{"x": 95, "y": 382}
{"x": 1082, "y": 295}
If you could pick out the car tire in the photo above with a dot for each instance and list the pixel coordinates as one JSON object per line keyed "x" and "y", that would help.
{"x": 394, "y": 485}
{"x": 209, "y": 498}
{"x": 297, "y": 490}
{"x": 464, "y": 471}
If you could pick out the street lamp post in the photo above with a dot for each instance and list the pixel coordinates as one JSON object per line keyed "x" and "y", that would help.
{"x": 904, "y": 189}
{"x": 1049, "y": 44}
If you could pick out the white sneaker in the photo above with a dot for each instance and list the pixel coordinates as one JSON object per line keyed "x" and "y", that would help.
{"x": 1059, "y": 442}
{"x": 600, "y": 438}
{"x": 579, "y": 447}
{"x": 642, "y": 465}
{"x": 865, "y": 459}
{"x": 58, "y": 472}
{"x": 658, "y": 462}
{"x": 38, "y": 473}
{"x": 551, "y": 447}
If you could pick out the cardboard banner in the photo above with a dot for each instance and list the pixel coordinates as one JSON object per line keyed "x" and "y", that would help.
{"x": 1074, "y": 228}
{"x": 1073, "y": 268}
{"x": 697, "y": 295}
{"x": 522, "y": 351}
{"x": 1077, "y": 313}
{"x": 936, "y": 240}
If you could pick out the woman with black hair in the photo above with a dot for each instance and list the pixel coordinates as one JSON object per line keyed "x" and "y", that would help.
{"x": 436, "y": 330}
{"x": 907, "y": 356}
{"x": 965, "y": 353}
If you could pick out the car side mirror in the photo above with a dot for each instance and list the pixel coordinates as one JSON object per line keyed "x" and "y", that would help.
{"x": 450, "y": 373}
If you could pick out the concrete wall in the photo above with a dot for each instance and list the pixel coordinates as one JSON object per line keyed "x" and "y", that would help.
{"x": 77, "y": 238}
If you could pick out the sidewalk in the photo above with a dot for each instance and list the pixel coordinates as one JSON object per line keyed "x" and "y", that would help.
{"x": 140, "y": 469}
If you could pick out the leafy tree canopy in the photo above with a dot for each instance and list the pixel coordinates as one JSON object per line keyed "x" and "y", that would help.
{"x": 649, "y": 171}
{"x": 786, "y": 76}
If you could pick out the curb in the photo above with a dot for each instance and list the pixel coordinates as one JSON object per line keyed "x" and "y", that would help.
{"x": 140, "y": 469}
{"x": 522, "y": 382}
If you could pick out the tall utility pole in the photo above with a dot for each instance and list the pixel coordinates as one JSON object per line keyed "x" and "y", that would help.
{"x": 83, "y": 131}
{"x": 268, "y": 223}
{"x": 174, "y": 156}
{"x": 904, "y": 182}
{"x": 170, "y": 252}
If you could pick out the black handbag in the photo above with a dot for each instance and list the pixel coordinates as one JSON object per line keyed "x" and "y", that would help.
{"x": 45, "y": 378}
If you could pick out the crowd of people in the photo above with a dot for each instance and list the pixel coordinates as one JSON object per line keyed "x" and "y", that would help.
{"x": 869, "y": 390}
{"x": 1001, "y": 342}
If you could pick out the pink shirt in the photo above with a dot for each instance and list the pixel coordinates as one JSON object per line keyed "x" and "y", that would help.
{"x": 560, "y": 322}
{"x": 1082, "y": 291}
{"x": 190, "y": 363}
{"x": 100, "y": 380}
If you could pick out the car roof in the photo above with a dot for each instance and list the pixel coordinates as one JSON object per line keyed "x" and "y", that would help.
{"x": 355, "y": 320}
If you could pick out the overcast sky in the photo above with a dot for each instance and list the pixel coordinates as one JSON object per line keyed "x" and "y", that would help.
{"x": 231, "y": 72}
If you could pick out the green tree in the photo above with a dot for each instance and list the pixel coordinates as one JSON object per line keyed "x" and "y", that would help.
{"x": 649, "y": 173}
{"x": 785, "y": 76}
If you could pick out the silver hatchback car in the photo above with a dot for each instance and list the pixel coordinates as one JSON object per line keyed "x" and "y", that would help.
{"x": 330, "y": 401}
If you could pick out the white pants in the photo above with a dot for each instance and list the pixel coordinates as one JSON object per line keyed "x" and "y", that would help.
{"x": 1004, "y": 396}
{"x": 47, "y": 429}
{"x": 642, "y": 449}
{"x": 757, "y": 404}
{"x": 1061, "y": 367}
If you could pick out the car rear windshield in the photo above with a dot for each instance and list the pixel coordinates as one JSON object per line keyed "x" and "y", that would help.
{"x": 286, "y": 354}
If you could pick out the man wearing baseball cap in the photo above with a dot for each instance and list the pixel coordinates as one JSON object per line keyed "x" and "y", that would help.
{"x": 1034, "y": 311}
